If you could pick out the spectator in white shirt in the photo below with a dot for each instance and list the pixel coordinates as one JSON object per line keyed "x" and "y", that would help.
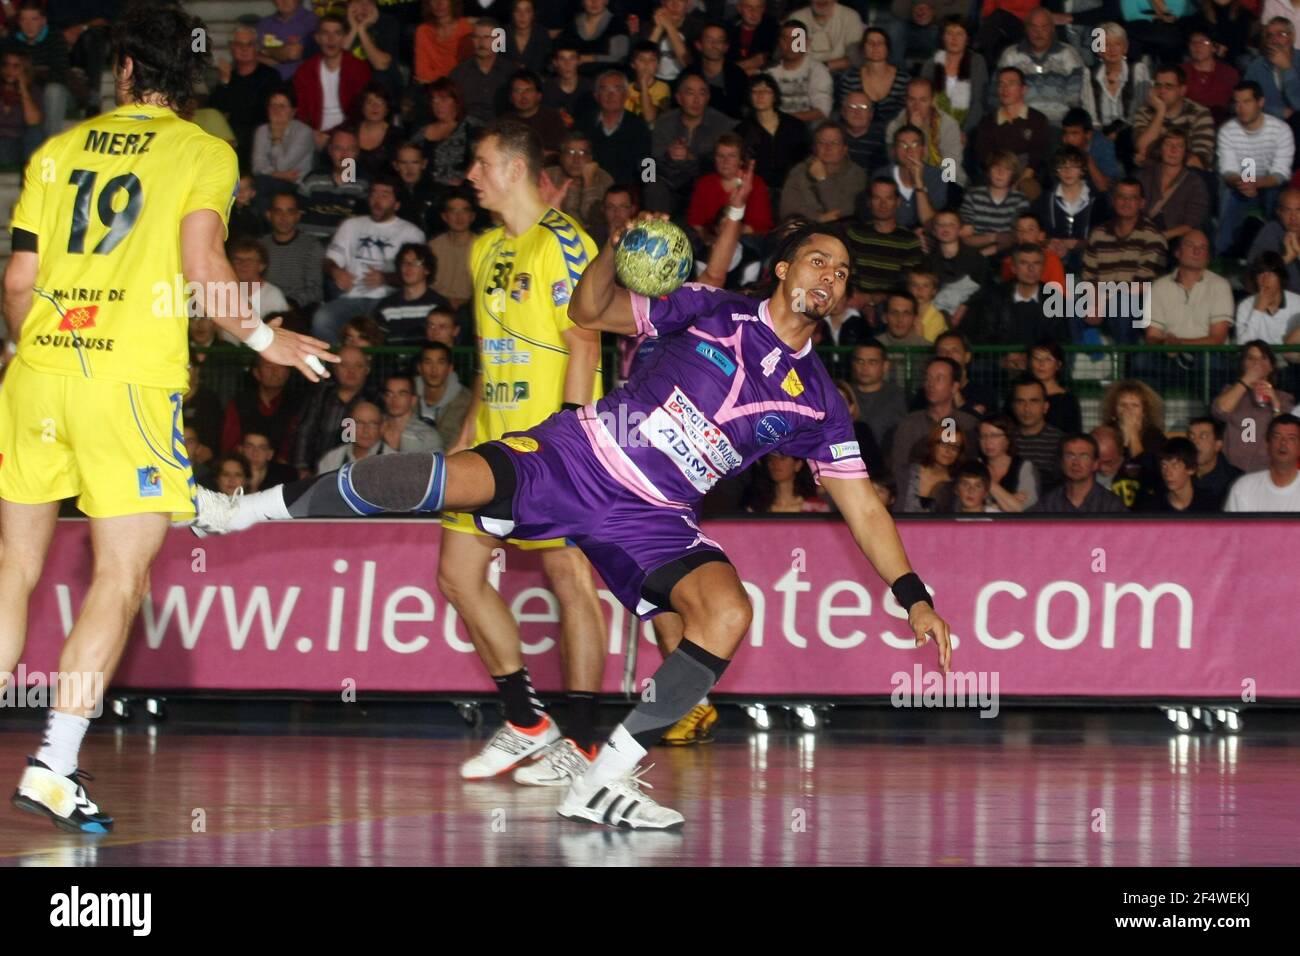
{"x": 1278, "y": 487}
{"x": 361, "y": 259}
{"x": 1273, "y": 311}
{"x": 807, "y": 90}
{"x": 833, "y": 30}
{"x": 1255, "y": 152}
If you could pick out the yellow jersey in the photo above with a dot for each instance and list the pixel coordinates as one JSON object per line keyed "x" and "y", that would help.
{"x": 522, "y": 287}
{"x": 105, "y": 201}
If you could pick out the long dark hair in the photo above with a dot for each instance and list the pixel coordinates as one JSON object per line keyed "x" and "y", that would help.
{"x": 762, "y": 489}
{"x": 963, "y": 68}
{"x": 160, "y": 40}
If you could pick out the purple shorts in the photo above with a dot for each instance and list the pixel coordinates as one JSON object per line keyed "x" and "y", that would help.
{"x": 551, "y": 485}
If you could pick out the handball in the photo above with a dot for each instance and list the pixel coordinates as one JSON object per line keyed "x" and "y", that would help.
{"x": 654, "y": 257}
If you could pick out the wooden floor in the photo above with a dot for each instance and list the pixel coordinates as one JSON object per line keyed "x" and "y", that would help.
{"x": 1092, "y": 793}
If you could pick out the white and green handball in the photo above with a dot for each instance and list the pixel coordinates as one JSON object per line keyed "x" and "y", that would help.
{"x": 654, "y": 257}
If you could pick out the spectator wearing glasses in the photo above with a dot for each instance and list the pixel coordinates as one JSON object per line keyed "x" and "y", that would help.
{"x": 1277, "y": 68}
{"x": 921, "y": 187}
{"x": 1079, "y": 492}
{"x": 402, "y": 429}
{"x": 584, "y": 199}
{"x": 1012, "y": 480}
{"x": 366, "y": 440}
{"x": 1210, "y": 80}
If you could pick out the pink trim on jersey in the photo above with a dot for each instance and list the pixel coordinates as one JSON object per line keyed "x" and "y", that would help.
{"x": 849, "y": 468}
{"x": 615, "y": 461}
{"x": 641, "y": 313}
{"x": 765, "y": 315}
{"x": 729, "y": 409}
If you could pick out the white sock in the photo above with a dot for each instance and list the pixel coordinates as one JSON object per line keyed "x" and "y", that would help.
{"x": 617, "y": 758}
{"x": 263, "y": 506}
{"x": 704, "y": 701}
{"x": 63, "y": 735}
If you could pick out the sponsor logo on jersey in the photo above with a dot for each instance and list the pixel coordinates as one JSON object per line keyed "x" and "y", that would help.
{"x": 743, "y": 317}
{"x": 560, "y": 292}
{"x": 149, "y": 481}
{"x": 505, "y": 395}
{"x": 717, "y": 357}
{"x": 844, "y": 449}
{"x": 74, "y": 342}
{"x": 670, "y": 438}
{"x": 770, "y": 360}
{"x": 503, "y": 352}
{"x": 705, "y": 435}
{"x": 792, "y": 386}
{"x": 520, "y": 286}
{"x": 81, "y": 317}
{"x": 521, "y": 443}
{"x": 771, "y": 428}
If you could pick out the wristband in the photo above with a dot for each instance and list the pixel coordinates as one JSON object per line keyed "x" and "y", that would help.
{"x": 910, "y": 589}
{"x": 261, "y": 338}
{"x": 736, "y": 212}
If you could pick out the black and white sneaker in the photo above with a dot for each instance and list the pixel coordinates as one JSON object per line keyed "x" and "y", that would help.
{"x": 619, "y": 803}
{"x": 63, "y": 800}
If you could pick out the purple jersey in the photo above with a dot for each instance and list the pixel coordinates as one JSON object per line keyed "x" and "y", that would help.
{"x": 718, "y": 391}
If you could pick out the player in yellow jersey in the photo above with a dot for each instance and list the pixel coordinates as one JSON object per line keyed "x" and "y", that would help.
{"x": 116, "y": 216}
{"x": 533, "y": 360}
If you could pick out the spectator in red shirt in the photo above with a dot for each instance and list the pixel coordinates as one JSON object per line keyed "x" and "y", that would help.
{"x": 1209, "y": 79}
{"x": 265, "y": 409}
{"x": 709, "y": 198}
{"x": 323, "y": 109}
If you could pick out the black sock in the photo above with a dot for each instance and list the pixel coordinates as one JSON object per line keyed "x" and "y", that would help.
{"x": 523, "y": 709}
{"x": 580, "y": 725}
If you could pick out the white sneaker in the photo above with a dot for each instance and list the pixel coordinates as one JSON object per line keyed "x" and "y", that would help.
{"x": 62, "y": 800}
{"x": 508, "y": 748}
{"x": 215, "y": 511}
{"x": 559, "y": 765}
{"x": 619, "y": 803}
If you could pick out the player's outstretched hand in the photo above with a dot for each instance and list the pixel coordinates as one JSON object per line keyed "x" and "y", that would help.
{"x": 925, "y": 624}
{"x": 740, "y": 195}
{"x": 617, "y": 235}
{"x": 299, "y": 351}
{"x": 553, "y": 194}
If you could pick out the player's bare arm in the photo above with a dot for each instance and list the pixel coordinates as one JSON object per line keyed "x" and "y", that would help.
{"x": 20, "y": 279}
{"x": 877, "y": 535}
{"x": 584, "y": 357}
{"x": 203, "y": 258}
{"x": 599, "y": 303}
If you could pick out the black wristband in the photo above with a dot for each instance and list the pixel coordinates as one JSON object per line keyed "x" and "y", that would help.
{"x": 909, "y": 589}
{"x": 570, "y": 407}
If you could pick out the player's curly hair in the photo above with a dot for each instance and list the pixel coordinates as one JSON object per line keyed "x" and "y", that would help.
{"x": 160, "y": 39}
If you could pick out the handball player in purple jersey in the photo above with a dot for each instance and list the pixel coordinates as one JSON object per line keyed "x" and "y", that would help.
{"x": 733, "y": 379}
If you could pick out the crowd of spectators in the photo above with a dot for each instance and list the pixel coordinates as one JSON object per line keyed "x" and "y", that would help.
{"x": 984, "y": 162}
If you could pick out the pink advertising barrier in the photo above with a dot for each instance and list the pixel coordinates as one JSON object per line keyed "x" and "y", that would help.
{"x": 1110, "y": 609}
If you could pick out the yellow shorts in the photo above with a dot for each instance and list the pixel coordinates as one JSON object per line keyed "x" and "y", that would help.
{"x": 118, "y": 448}
{"x": 464, "y": 523}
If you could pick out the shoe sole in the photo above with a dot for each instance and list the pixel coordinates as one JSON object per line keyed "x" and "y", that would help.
{"x": 580, "y": 817}
{"x": 41, "y": 810}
